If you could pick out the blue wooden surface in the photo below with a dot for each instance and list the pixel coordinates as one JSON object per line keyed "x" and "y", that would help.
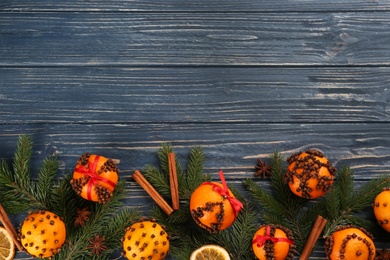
{"x": 242, "y": 79}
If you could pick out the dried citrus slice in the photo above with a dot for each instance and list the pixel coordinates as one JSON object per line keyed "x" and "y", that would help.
{"x": 210, "y": 252}
{"x": 7, "y": 247}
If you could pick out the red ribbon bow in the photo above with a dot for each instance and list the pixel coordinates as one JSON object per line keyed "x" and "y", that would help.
{"x": 224, "y": 192}
{"x": 94, "y": 177}
{"x": 260, "y": 240}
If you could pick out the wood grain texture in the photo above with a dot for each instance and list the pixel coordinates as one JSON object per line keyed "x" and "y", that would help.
{"x": 241, "y": 79}
{"x": 182, "y": 39}
{"x": 194, "y": 6}
{"x": 231, "y": 147}
{"x": 144, "y": 94}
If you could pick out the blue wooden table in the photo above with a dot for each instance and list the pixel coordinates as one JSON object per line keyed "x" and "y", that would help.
{"x": 242, "y": 79}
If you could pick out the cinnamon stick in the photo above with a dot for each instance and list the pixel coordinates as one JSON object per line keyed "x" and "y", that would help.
{"x": 315, "y": 233}
{"x": 173, "y": 181}
{"x": 10, "y": 228}
{"x": 140, "y": 179}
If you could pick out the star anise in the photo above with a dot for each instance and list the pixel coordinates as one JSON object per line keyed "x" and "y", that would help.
{"x": 82, "y": 216}
{"x": 262, "y": 169}
{"x": 383, "y": 254}
{"x": 97, "y": 245}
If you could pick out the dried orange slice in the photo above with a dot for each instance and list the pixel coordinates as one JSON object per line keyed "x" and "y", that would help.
{"x": 210, "y": 252}
{"x": 7, "y": 247}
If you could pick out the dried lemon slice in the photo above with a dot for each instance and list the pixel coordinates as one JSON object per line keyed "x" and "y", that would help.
{"x": 210, "y": 252}
{"x": 7, "y": 247}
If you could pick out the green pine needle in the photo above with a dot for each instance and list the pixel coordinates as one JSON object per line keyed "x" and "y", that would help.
{"x": 344, "y": 201}
{"x": 186, "y": 234}
{"x": 106, "y": 220}
{"x": 21, "y": 163}
{"x": 18, "y": 192}
{"x": 281, "y": 206}
{"x": 195, "y": 175}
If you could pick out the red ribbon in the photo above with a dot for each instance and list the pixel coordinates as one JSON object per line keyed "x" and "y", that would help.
{"x": 224, "y": 192}
{"x": 93, "y": 176}
{"x": 260, "y": 240}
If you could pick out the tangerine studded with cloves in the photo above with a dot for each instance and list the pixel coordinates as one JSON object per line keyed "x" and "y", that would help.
{"x": 381, "y": 207}
{"x": 273, "y": 242}
{"x": 42, "y": 234}
{"x": 350, "y": 243}
{"x": 95, "y": 177}
{"x": 145, "y": 240}
{"x": 210, "y": 210}
{"x": 309, "y": 174}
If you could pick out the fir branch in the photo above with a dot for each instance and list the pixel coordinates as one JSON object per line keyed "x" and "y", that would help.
{"x": 19, "y": 191}
{"x": 238, "y": 238}
{"x": 163, "y": 157}
{"x": 21, "y": 163}
{"x": 6, "y": 177}
{"x": 365, "y": 195}
{"x": 343, "y": 201}
{"x": 163, "y": 154}
{"x": 159, "y": 180}
{"x": 281, "y": 206}
{"x": 180, "y": 225}
{"x": 116, "y": 227}
{"x": 99, "y": 223}
{"x": 46, "y": 177}
{"x": 181, "y": 253}
{"x": 271, "y": 211}
{"x": 195, "y": 175}
{"x": 64, "y": 202}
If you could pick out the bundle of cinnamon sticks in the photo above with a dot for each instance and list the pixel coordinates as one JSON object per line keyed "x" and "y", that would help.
{"x": 4, "y": 219}
{"x": 173, "y": 181}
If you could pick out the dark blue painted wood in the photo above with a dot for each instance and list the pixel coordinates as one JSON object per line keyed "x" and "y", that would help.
{"x": 196, "y": 6}
{"x": 207, "y": 39}
{"x": 166, "y": 94}
{"x": 240, "y": 78}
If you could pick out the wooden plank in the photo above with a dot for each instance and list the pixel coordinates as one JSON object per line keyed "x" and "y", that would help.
{"x": 222, "y": 94}
{"x": 200, "y": 39}
{"x": 231, "y": 147}
{"x": 194, "y": 6}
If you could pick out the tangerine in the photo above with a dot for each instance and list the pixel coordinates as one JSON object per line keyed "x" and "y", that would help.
{"x": 382, "y": 209}
{"x": 350, "y": 243}
{"x": 309, "y": 174}
{"x": 95, "y": 178}
{"x": 273, "y": 242}
{"x": 42, "y": 234}
{"x": 145, "y": 240}
{"x": 213, "y": 206}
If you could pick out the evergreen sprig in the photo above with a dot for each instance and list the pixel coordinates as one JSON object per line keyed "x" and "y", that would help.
{"x": 280, "y": 206}
{"x": 340, "y": 206}
{"x": 186, "y": 236}
{"x": 20, "y": 192}
{"x": 106, "y": 220}
{"x": 344, "y": 201}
